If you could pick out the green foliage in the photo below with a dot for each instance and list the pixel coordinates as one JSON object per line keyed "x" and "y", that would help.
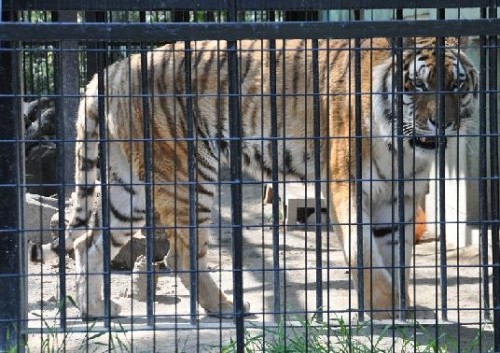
{"x": 314, "y": 337}
{"x": 93, "y": 340}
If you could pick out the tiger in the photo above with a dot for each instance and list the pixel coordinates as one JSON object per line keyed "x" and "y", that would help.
{"x": 375, "y": 99}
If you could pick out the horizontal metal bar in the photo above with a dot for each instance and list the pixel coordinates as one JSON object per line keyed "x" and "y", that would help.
{"x": 78, "y": 327}
{"x": 164, "y": 32}
{"x": 248, "y": 5}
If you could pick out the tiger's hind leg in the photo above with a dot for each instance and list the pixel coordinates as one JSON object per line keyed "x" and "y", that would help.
{"x": 210, "y": 296}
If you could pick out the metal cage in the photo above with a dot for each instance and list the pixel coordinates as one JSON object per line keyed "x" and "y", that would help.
{"x": 273, "y": 238}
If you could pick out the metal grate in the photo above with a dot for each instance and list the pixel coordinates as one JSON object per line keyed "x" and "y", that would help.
{"x": 278, "y": 257}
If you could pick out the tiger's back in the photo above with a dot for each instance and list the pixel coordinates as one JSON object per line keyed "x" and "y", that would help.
{"x": 168, "y": 101}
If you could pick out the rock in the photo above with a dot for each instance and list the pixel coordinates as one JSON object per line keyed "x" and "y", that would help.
{"x": 136, "y": 248}
{"x": 38, "y": 213}
{"x": 35, "y": 109}
{"x": 40, "y": 151}
{"x": 41, "y": 169}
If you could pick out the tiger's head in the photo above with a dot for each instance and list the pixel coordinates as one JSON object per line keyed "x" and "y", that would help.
{"x": 432, "y": 97}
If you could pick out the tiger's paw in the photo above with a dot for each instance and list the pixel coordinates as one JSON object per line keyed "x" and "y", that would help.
{"x": 225, "y": 310}
{"x": 95, "y": 310}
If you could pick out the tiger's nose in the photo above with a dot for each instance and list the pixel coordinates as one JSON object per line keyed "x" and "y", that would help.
{"x": 433, "y": 126}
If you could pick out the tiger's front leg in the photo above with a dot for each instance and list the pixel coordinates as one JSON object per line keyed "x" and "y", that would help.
{"x": 380, "y": 285}
{"x": 89, "y": 276}
{"x": 387, "y": 241}
{"x": 125, "y": 218}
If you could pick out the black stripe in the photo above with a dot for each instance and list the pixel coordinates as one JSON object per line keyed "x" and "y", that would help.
{"x": 199, "y": 54}
{"x": 379, "y": 232}
{"x": 204, "y": 175}
{"x": 297, "y": 58}
{"x": 85, "y": 190}
{"x": 279, "y": 56}
{"x": 203, "y": 220}
{"x": 205, "y": 163}
{"x": 205, "y": 140}
{"x": 258, "y": 158}
{"x": 200, "y": 188}
{"x": 223, "y": 61}
{"x": 162, "y": 89}
{"x": 223, "y": 145}
{"x": 117, "y": 180}
{"x": 248, "y": 62}
{"x": 288, "y": 162}
{"x": 122, "y": 217}
{"x": 97, "y": 220}
{"x": 78, "y": 222}
{"x": 203, "y": 209}
{"x": 181, "y": 67}
{"x": 86, "y": 164}
{"x": 246, "y": 159}
{"x": 205, "y": 75}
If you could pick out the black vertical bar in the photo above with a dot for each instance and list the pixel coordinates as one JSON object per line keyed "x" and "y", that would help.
{"x": 61, "y": 178}
{"x": 146, "y": 116}
{"x": 191, "y": 140}
{"x": 92, "y": 53}
{"x": 440, "y": 43}
{"x": 301, "y": 15}
{"x": 275, "y": 184}
{"x": 483, "y": 175}
{"x": 236, "y": 187}
{"x": 494, "y": 172}
{"x": 359, "y": 172}
{"x": 180, "y": 16}
{"x": 12, "y": 265}
{"x": 401, "y": 270}
{"x": 103, "y": 158}
{"x": 67, "y": 103}
{"x": 317, "y": 180}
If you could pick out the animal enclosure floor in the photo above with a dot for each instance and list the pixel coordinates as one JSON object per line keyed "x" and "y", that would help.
{"x": 298, "y": 284}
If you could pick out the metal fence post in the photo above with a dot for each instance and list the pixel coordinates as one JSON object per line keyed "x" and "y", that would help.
{"x": 12, "y": 264}
{"x": 68, "y": 104}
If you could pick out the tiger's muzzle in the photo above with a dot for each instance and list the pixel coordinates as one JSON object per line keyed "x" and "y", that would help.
{"x": 427, "y": 142}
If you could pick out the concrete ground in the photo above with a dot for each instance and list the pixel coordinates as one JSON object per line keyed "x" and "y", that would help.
{"x": 297, "y": 259}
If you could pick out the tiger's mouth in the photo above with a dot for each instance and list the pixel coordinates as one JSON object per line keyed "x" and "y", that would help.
{"x": 426, "y": 142}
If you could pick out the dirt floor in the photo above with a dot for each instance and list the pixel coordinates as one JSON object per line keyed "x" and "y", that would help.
{"x": 174, "y": 333}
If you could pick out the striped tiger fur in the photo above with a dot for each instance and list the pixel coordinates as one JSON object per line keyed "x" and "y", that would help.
{"x": 168, "y": 104}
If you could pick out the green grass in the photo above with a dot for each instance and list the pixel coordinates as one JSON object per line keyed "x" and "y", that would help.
{"x": 314, "y": 337}
{"x": 55, "y": 341}
{"x": 298, "y": 336}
